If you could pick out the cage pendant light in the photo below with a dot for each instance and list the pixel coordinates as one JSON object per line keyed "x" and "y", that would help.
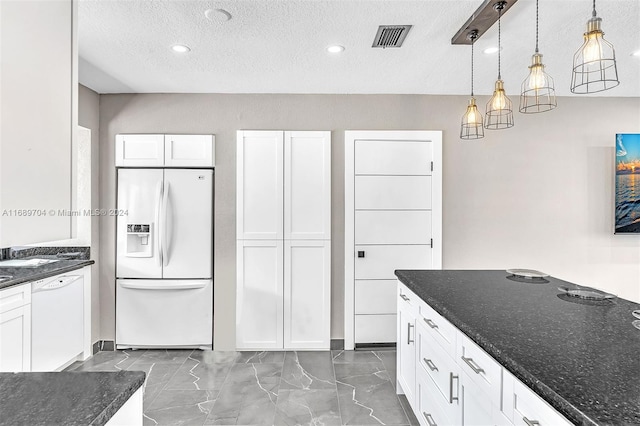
{"x": 471, "y": 127}
{"x": 538, "y": 93}
{"x": 499, "y": 113}
{"x": 594, "y": 64}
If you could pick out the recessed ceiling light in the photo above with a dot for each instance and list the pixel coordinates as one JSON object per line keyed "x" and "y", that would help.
{"x": 636, "y": 54}
{"x": 217, "y": 15}
{"x": 335, "y": 48}
{"x": 491, "y": 50}
{"x": 180, "y": 48}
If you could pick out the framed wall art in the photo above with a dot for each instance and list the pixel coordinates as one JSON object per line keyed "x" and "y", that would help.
{"x": 627, "y": 191}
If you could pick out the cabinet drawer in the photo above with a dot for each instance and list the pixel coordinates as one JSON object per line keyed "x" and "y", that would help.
{"x": 393, "y": 227}
{"x": 393, "y": 192}
{"x": 375, "y": 328}
{"x": 441, "y": 330}
{"x": 529, "y": 407}
{"x": 380, "y": 262}
{"x": 479, "y": 367}
{"x": 440, "y": 366}
{"x": 14, "y": 297}
{"x": 375, "y": 296}
{"x": 430, "y": 411}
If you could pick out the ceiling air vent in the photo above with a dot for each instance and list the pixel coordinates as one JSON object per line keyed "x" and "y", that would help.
{"x": 391, "y": 35}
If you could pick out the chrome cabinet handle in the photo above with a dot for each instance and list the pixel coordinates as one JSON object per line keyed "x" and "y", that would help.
{"x": 430, "y": 323}
{"x": 429, "y": 419}
{"x": 404, "y": 297}
{"x": 430, "y": 364}
{"x": 451, "y": 397}
{"x": 409, "y": 333}
{"x": 471, "y": 363}
{"x": 530, "y": 422}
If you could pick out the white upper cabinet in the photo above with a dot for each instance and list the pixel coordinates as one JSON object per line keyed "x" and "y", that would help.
{"x": 188, "y": 151}
{"x": 134, "y": 150}
{"x": 307, "y": 185}
{"x": 259, "y": 185}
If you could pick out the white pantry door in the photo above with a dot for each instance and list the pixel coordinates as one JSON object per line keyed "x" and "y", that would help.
{"x": 259, "y": 294}
{"x": 259, "y": 183}
{"x": 393, "y": 220}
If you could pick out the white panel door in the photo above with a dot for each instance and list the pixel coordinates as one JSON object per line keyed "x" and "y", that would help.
{"x": 15, "y": 340}
{"x": 189, "y": 150}
{"x": 380, "y": 261}
{"x": 259, "y": 298}
{"x": 307, "y": 185}
{"x": 259, "y": 194}
{"x": 392, "y": 192}
{"x": 140, "y": 196}
{"x": 393, "y": 227}
{"x": 307, "y": 294}
{"x": 139, "y": 150}
{"x": 393, "y": 157}
{"x": 187, "y": 223}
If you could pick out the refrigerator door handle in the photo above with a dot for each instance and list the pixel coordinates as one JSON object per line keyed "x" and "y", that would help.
{"x": 157, "y": 230}
{"x": 161, "y": 286}
{"x": 165, "y": 240}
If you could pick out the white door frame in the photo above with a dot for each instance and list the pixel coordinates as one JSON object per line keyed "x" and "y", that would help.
{"x": 350, "y": 137}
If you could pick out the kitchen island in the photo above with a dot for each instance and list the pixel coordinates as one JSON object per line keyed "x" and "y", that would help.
{"x": 581, "y": 357}
{"x": 71, "y": 398}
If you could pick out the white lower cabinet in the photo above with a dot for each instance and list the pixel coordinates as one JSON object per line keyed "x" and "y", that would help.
{"x": 283, "y": 294}
{"x": 449, "y": 380}
{"x": 406, "y": 355}
{"x": 15, "y": 329}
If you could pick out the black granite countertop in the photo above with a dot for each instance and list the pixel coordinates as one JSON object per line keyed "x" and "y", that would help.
{"x": 22, "y": 275}
{"x": 65, "y": 398}
{"x": 582, "y": 357}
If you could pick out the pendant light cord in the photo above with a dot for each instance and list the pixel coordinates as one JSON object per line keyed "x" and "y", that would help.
{"x": 537, "y": 26}
{"x": 594, "y": 9}
{"x": 499, "y": 45}
{"x": 473, "y": 39}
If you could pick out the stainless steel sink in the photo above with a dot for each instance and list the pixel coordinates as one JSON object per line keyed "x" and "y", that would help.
{"x": 25, "y": 263}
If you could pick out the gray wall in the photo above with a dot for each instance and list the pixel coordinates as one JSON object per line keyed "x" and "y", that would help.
{"x": 89, "y": 117}
{"x": 539, "y": 195}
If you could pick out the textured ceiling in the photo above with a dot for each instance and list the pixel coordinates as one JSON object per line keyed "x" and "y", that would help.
{"x": 279, "y": 46}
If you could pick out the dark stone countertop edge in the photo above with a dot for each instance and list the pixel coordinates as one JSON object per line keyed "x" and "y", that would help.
{"x": 556, "y": 401}
{"x": 39, "y": 274}
{"x": 106, "y": 414}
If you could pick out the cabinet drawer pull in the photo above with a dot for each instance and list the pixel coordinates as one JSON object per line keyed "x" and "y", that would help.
{"x": 452, "y": 398}
{"x": 471, "y": 363}
{"x": 409, "y": 341}
{"x": 405, "y": 298}
{"x": 430, "y": 323}
{"x": 429, "y": 419}
{"x": 430, "y": 364}
{"x": 530, "y": 422}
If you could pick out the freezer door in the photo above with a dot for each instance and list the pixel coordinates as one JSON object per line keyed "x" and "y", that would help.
{"x": 164, "y": 313}
{"x": 186, "y": 232}
{"x": 137, "y": 232}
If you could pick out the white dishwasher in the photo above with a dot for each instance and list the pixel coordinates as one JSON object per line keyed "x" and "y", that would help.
{"x": 57, "y": 321}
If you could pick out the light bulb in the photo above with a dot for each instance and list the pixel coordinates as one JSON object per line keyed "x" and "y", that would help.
{"x": 592, "y": 50}
{"x": 498, "y": 101}
{"x": 472, "y": 116}
{"x": 537, "y": 79}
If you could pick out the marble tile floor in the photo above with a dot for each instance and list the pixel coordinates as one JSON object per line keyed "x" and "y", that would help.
{"x": 193, "y": 387}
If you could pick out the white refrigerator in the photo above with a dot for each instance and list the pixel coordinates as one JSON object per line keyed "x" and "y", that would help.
{"x": 164, "y": 258}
